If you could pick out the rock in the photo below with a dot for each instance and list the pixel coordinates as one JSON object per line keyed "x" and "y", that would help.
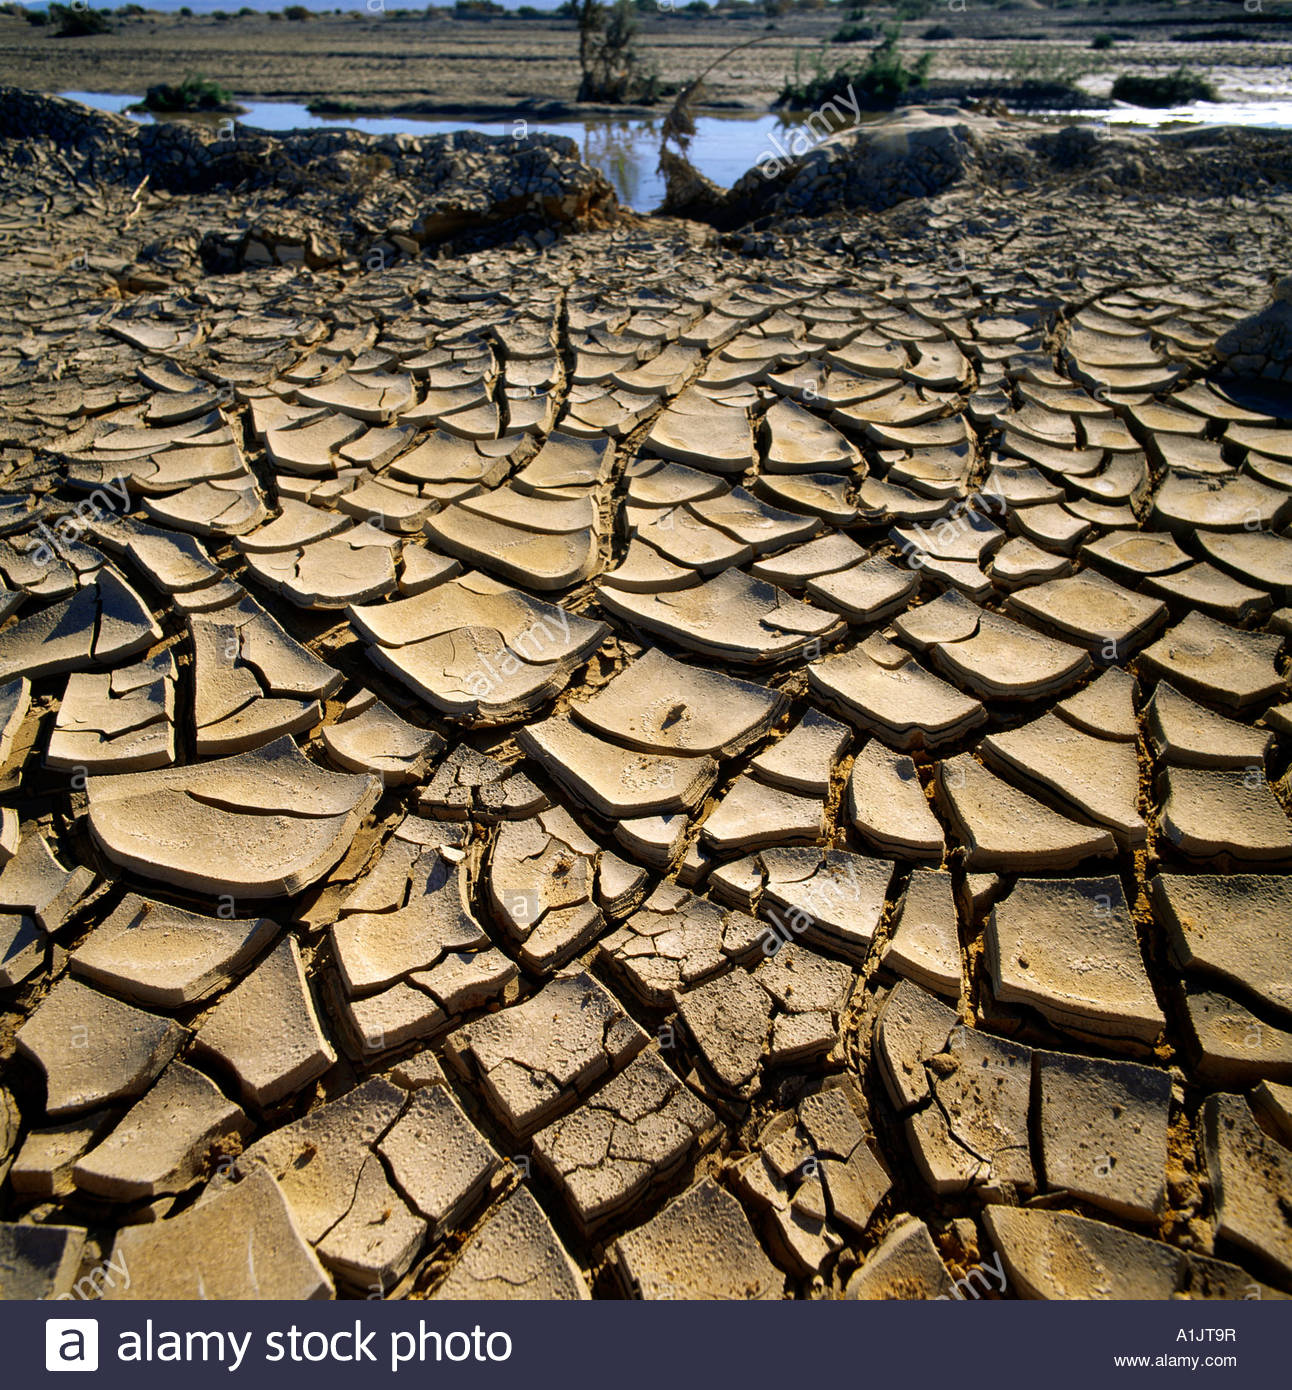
{"x": 1004, "y": 828}
{"x": 533, "y": 1059}
{"x": 632, "y": 1134}
{"x": 887, "y": 805}
{"x": 1068, "y": 948}
{"x": 1103, "y": 1130}
{"x": 39, "y": 1261}
{"x": 256, "y": 825}
{"x": 663, "y": 706}
{"x": 925, "y": 945}
{"x": 165, "y": 1142}
{"x": 904, "y": 1265}
{"x": 438, "y": 1158}
{"x": 1234, "y": 927}
{"x": 515, "y": 1254}
{"x": 167, "y": 957}
{"x": 1250, "y": 1173}
{"x": 1060, "y": 1255}
{"x": 240, "y": 1242}
{"x": 699, "y": 1246}
{"x": 266, "y": 1030}
{"x": 94, "y": 1049}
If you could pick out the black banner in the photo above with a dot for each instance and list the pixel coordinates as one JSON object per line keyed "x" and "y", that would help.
{"x": 654, "y": 1347}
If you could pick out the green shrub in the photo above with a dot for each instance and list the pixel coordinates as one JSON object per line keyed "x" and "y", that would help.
{"x": 78, "y": 21}
{"x": 38, "y": 18}
{"x": 876, "y": 84}
{"x": 131, "y": 11}
{"x": 330, "y": 106}
{"x": 196, "y": 93}
{"x": 296, "y": 12}
{"x": 935, "y": 32}
{"x": 1174, "y": 89}
{"x": 1042, "y": 65}
{"x": 529, "y": 12}
{"x": 1212, "y": 36}
{"x": 854, "y": 31}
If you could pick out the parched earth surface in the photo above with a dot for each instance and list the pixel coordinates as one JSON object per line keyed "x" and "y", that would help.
{"x": 553, "y": 754}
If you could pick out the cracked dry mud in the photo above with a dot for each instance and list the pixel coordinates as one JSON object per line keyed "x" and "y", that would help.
{"x": 617, "y": 760}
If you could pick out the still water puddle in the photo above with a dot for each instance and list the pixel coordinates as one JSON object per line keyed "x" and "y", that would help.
{"x": 626, "y": 150}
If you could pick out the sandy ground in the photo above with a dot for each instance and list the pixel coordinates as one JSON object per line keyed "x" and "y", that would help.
{"x": 384, "y": 63}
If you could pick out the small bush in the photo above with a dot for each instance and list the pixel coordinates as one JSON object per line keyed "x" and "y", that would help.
{"x": 1102, "y": 42}
{"x": 476, "y": 9}
{"x": 853, "y": 31}
{"x": 131, "y": 11}
{"x": 196, "y": 93}
{"x": 37, "y": 18}
{"x": 1174, "y": 89}
{"x": 613, "y": 70}
{"x": 329, "y": 106}
{"x": 244, "y": 11}
{"x": 529, "y": 12}
{"x": 877, "y": 84}
{"x": 296, "y": 12}
{"x": 695, "y": 7}
{"x": 1047, "y": 66}
{"x": 184, "y": 12}
{"x": 936, "y": 32}
{"x": 1212, "y": 36}
{"x": 78, "y": 21}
